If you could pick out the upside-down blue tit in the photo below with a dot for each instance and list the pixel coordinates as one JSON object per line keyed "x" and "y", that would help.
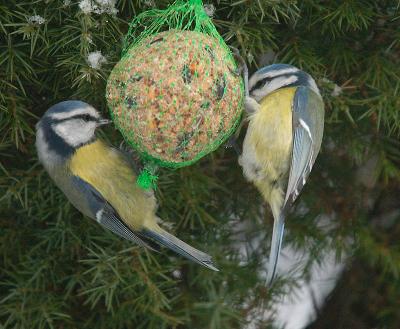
{"x": 286, "y": 121}
{"x": 99, "y": 180}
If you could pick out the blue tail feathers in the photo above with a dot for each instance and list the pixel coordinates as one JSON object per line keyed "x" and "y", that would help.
{"x": 168, "y": 240}
{"x": 276, "y": 244}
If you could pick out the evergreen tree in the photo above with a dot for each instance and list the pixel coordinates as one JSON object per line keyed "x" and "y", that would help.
{"x": 61, "y": 270}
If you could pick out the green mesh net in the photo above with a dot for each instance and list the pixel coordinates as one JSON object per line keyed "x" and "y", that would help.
{"x": 176, "y": 94}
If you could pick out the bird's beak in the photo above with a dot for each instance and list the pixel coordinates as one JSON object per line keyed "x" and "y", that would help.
{"x": 102, "y": 122}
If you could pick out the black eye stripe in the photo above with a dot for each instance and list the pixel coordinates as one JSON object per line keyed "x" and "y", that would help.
{"x": 88, "y": 117}
{"x": 302, "y": 79}
{"x": 260, "y": 83}
{"x": 85, "y": 117}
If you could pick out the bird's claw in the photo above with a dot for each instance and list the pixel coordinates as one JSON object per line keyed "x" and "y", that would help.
{"x": 251, "y": 106}
{"x": 242, "y": 69}
{"x": 232, "y": 143}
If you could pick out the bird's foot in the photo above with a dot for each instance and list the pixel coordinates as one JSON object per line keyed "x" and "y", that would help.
{"x": 242, "y": 69}
{"x": 251, "y": 106}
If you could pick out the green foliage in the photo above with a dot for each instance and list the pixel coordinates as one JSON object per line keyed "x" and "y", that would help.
{"x": 61, "y": 270}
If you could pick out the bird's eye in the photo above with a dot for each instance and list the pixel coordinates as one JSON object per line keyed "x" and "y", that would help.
{"x": 87, "y": 117}
{"x": 260, "y": 83}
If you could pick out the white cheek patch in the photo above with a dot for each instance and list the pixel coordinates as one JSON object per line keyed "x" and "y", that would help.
{"x": 75, "y": 133}
{"x": 79, "y": 111}
{"x": 273, "y": 85}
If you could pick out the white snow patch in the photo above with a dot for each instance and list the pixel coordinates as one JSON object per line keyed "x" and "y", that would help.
{"x": 36, "y": 19}
{"x": 299, "y": 307}
{"x": 95, "y": 59}
{"x": 98, "y": 6}
{"x": 86, "y": 6}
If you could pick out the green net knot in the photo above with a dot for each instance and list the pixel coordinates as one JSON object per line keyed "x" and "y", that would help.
{"x": 147, "y": 178}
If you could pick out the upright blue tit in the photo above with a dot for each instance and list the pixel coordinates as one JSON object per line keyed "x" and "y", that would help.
{"x": 284, "y": 135}
{"x": 99, "y": 180}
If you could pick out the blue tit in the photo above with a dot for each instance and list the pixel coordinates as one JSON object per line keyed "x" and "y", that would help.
{"x": 283, "y": 138}
{"x": 99, "y": 180}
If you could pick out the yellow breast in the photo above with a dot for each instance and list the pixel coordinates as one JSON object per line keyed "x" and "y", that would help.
{"x": 110, "y": 174}
{"x": 270, "y": 136}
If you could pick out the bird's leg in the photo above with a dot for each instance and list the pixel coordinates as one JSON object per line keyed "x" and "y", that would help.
{"x": 232, "y": 143}
{"x": 233, "y": 140}
{"x": 241, "y": 69}
{"x": 251, "y": 106}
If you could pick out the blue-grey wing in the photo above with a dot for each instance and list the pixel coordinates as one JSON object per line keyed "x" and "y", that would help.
{"x": 104, "y": 213}
{"x": 308, "y": 127}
